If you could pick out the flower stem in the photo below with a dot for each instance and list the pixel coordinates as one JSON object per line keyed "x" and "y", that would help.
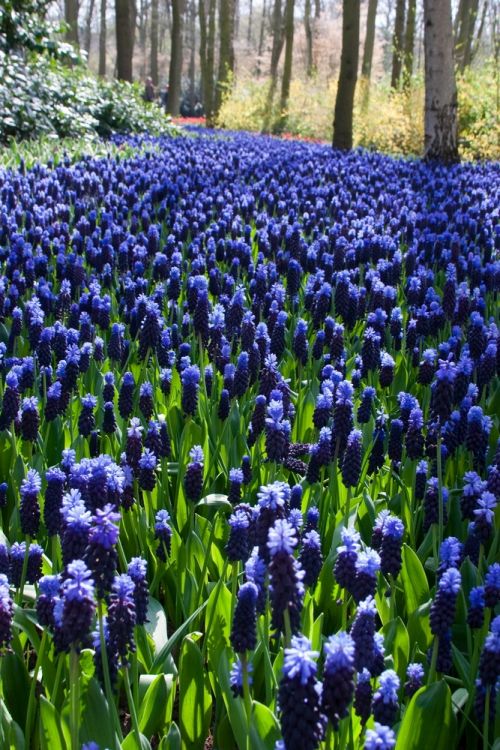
{"x": 74, "y": 686}
{"x": 19, "y": 596}
{"x": 486, "y": 721}
{"x": 132, "y": 707}
{"x": 288, "y": 627}
{"x": 31, "y": 700}
{"x": 105, "y": 670}
{"x": 247, "y": 698}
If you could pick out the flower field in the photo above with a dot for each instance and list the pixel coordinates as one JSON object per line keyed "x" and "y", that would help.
{"x": 249, "y": 450}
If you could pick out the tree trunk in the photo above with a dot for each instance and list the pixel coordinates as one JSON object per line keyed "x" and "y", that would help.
{"x": 475, "y": 47}
{"x": 397, "y": 43}
{"x": 440, "y": 86}
{"x": 278, "y": 41}
{"x": 287, "y": 67}
{"x": 309, "y": 38}
{"x": 344, "y": 102}
{"x": 125, "y": 32}
{"x": 226, "y": 50}
{"x": 409, "y": 43}
{"x": 249, "y": 30}
{"x": 463, "y": 43}
{"x": 155, "y": 20}
{"x": 102, "y": 40}
{"x": 71, "y": 9}
{"x": 143, "y": 23}
{"x": 366, "y": 67}
{"x": 261, "y": 35}
{"x": 192, "y": 54}
{"x": 88, "y": 27}
{"x": 175, "y": 71}
{"x": 207, "y": 57}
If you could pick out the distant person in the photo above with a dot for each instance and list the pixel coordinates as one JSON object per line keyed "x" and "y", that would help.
{"x": 149, "y": 91}
{"x": 164, "y": 98}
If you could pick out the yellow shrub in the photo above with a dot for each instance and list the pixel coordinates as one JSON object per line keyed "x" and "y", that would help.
{"x": 384, "y": 119}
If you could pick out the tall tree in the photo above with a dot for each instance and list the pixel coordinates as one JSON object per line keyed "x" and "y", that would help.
{"x": 250, "y": 14}
{"x": 88, "y": 27}
{"x": 277, "y": 46}
{"x": 366, "y": 66}
{"x": 71, "y": 8}
{"x": 440, "y": 86}
{"x": 102, "y": 40}
{"x": 309, "y": 38}
{"x": 261, "y": 33}
{"x": 175, "y": 71}
{"x": 143, "y": 33}
{"x": 207, "y": 56}
{"x": 192, "y": 53}
{"x": 409, "y": 42}
{"x": 397, "y": 43}
{"x": 155, "y": 20}
{"x": 226, "y": 50}
{"x": 287, "y": 66}
{"x": 344, "y": 102}
{"x": 125, "y": 33}
{"x": 466, "y": 17}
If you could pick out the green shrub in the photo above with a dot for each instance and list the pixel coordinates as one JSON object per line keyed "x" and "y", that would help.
{"x": 40, "y": 96}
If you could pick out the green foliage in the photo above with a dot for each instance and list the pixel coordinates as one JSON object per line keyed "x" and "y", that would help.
{"x": 41, "y": 96}
{"x": 23, "y": 26}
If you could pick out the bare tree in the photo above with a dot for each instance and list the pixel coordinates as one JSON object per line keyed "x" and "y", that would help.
{"x": 226, "y": 50}
{"x": 409, "y": 42}
{"x": 466, "y": 18}
{"x": 277, "y": 46}
{"x": 125, "y": 32}
{"x": 366, "y": 66}
{"x": 192, "y": 53}
{"x": 143, "y": 29}
{"x": 440, "y": 86}
{"x": 397, "y": 43}
{"x": 102, "y": 40}
{"x": 88, "y": 27}
{"x": 249, "y": 30}
{"x": 175, "y": 71}
{"x": 344, "y": 102}
{"x": 262, "y": 30}
{"x": 207, "y": 56}
{"x": 71, "y": 8}
{"x": 287, "y": 67}
{"x": 309, "y": 38}
{"x": 155, "y": 20}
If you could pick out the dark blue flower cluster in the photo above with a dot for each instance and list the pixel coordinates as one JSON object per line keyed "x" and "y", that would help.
{"x": 314, "y": 334}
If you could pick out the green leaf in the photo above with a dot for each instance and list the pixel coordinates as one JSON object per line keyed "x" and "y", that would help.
{"x": 172, "y": 741}
{"x": 215, "y": 500}
{"x": 16, "y": 686}
{"x": 397, "y": 643}
{"x": 265, "y": 724}
{"x": 156, "y": 625}
{"x": 195, "y": 701}
{"x": 95, "y": 722}
{"x": 429, "y": 721}
{"x": 459, "y": 699}
{"x": 156, "y": 704}
{"x": 173, "y": 640}
{"x": 419, "y": 627}
{"x": 130, "y": 742}
{"x": 219, "y": 620}
{"x": 414, "y": 580}
{"x": 51, "y": 735}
